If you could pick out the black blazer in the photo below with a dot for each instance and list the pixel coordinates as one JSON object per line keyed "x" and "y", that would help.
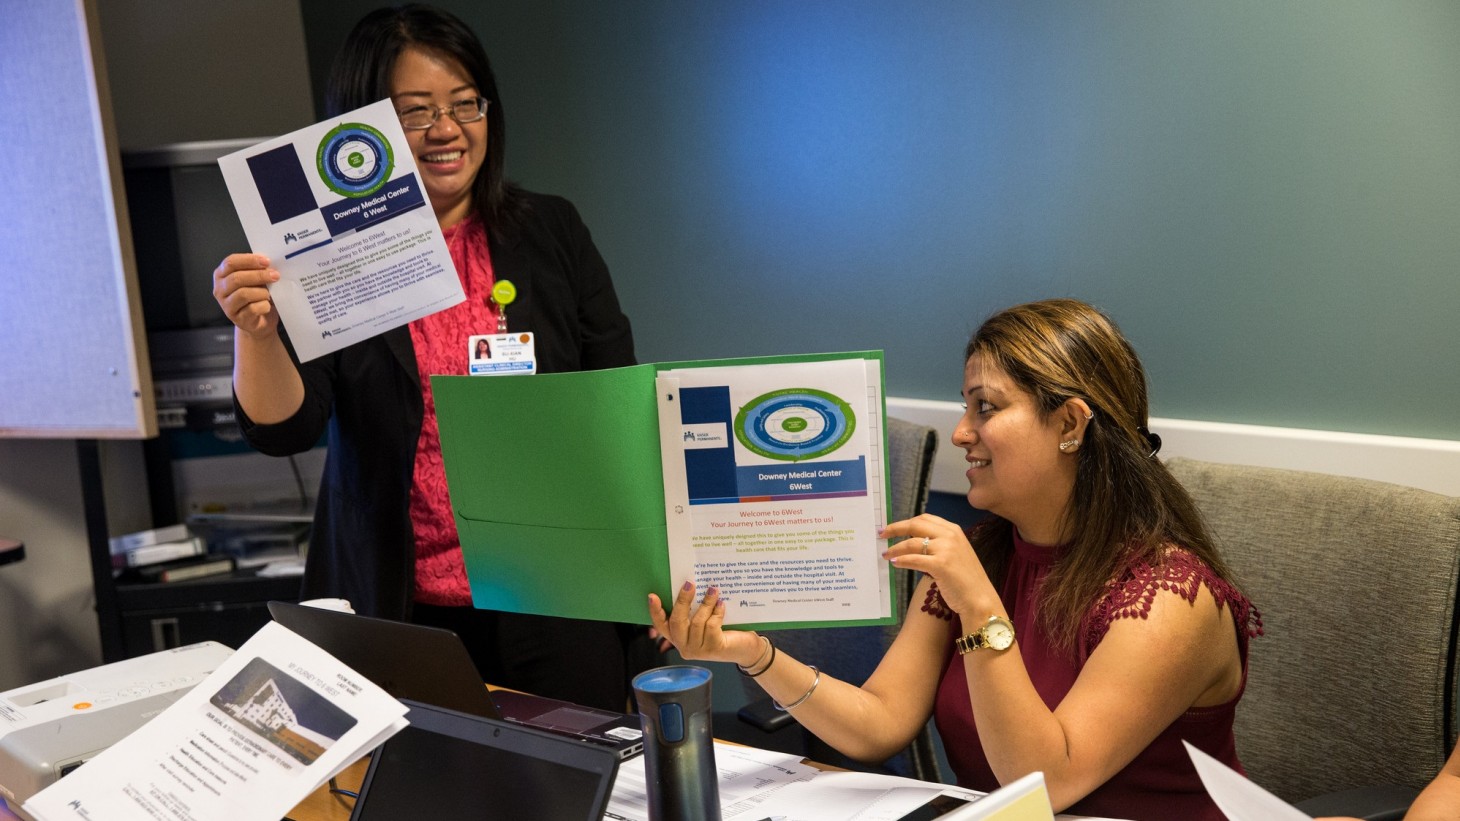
{"x": 367, "y": 399}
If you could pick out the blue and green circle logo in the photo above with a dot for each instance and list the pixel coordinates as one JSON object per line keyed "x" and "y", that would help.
{"x": 354, "y": 160}
{"x": 794, "y": 424}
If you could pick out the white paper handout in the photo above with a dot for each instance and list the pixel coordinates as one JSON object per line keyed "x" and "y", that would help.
{"x": 265, "y": 729}
{"x": 760, "y": 784}
{"x": 339, "y": 209}
{"x": 1238, "y": 798}
{"x": 773, "y": 487}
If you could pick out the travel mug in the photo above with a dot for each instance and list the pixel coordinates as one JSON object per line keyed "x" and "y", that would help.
{"x": 679, "y": 749}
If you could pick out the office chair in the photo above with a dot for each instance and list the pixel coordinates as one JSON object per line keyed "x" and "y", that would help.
{"x": 1350, "y": 700}
{"x": 852, "y": 653}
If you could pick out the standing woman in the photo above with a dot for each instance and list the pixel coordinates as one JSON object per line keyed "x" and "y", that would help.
{"x": 1086, "y": 631}
{"x": 384, "y": 536}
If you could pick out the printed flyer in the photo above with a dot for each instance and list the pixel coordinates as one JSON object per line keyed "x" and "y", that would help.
{"x": 768, "y": 488}
{"x": 340, "y": 211}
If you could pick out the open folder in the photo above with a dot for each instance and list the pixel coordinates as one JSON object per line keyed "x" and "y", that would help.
{"x": 576, "y": 494}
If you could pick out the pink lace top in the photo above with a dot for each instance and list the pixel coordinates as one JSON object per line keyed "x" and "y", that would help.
{"x": 1161, "y": 782}
{"x": 440, "y": 341}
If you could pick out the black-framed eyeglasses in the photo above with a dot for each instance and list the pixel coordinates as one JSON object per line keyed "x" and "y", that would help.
{"x": 419, "y": 117}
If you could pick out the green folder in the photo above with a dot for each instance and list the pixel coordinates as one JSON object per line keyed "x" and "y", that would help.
{"x": 557, "y": 487}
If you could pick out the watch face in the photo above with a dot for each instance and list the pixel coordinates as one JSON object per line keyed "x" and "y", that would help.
{"x": 999, "y": 634}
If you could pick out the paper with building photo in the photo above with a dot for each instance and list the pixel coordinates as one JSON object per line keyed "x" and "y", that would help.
{"x": 339, "y": 210}
{"x": 264, "y": 730}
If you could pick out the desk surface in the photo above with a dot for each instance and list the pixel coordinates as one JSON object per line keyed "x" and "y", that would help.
{"x": 322, "y": 806}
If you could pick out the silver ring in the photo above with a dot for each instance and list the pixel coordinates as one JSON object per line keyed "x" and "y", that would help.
{"x": 926, "y": 539}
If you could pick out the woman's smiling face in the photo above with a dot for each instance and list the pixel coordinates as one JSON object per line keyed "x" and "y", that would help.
{"x": 1016, "y": 469}
{"x": 448, "y": 154}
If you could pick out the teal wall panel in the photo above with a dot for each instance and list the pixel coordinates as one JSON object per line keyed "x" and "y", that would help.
{"x": 1265, "y": 195}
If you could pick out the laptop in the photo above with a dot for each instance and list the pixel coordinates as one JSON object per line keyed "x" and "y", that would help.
{"x": 452, "y": 766}
{"x": 430, "y": 665}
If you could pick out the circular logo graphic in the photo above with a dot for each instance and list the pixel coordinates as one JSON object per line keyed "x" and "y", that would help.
{"x": 794, "y": 424}
{"x": 354, "y": 160}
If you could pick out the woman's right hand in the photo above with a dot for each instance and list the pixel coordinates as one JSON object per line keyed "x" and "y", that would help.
{"x": 240, "y": 288}
{"x": 695, "y": 630}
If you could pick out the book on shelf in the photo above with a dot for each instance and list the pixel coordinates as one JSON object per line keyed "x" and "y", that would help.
{"x": 179, "y": 570}
{"x": 157, "y": 553}
{"x": 143, "y": 538}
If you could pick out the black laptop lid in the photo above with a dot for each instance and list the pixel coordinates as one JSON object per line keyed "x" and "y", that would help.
{"x": 450, "y": 766}
{"x": 408, "y": 661}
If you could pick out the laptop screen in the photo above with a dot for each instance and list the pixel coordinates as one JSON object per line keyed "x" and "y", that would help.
{"x": 409, "y": 661}
{"x": 450, "y": 766}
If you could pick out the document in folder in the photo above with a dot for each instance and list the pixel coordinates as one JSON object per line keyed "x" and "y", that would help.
{"x": 576, "y": 494}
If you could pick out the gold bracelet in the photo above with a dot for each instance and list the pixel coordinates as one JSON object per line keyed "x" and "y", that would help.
{"x": 770, "y": 650}
{"x": 809, "y": 690}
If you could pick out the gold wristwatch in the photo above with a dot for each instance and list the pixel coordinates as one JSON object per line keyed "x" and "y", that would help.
{"x": 996, "y": 634}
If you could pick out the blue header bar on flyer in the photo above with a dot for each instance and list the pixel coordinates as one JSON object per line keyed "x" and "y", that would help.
{"x": 394, "y": 198}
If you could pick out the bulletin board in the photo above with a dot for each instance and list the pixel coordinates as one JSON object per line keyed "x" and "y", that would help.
{"x": 73, "y": 356}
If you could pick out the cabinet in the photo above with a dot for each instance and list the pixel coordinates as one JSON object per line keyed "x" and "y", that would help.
{"x": 182, "y": 224}
{"x": 226, "y": 609}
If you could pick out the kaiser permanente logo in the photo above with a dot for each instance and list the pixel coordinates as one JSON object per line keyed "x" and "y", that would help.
{"x": 301, "y": 235}
{"x": 707, "y": 435}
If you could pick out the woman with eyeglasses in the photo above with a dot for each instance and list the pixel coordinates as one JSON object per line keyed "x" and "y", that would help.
{"x": 384, "y": 536}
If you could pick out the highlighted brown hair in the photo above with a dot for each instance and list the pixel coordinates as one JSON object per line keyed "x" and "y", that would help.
{"x": 1126, "y": 507}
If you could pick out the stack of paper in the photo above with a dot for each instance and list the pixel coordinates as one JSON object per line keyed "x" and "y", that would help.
{"x": 264, "y": 730}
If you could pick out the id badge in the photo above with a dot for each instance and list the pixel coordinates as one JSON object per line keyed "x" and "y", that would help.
{"x": 500, "y": 354}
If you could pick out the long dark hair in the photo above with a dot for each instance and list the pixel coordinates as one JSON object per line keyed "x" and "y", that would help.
{"x": 1126, "y": 506}
{"x": 361, "y": 75}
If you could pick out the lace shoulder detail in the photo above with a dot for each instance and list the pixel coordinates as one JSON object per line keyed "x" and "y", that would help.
{"x": 1180, "y": 572}
{"x": 934, "y": 605}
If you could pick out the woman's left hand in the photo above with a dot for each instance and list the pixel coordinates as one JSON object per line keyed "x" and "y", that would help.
{"x": 696, "y": 630}
{"x": 935, "y": 546}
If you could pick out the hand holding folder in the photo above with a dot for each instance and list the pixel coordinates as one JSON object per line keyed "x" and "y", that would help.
{"x": 558, "y": 483}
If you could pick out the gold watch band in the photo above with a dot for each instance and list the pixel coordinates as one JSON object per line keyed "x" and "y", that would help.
{"x": 967, "y": 644}
{"x": 1003, "y": 637}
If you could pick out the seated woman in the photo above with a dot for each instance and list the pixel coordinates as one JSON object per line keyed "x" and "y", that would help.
{"x": 1084, "y": 630}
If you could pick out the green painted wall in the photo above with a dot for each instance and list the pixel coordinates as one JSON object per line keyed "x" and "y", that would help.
{"x": 1264, "y": 194}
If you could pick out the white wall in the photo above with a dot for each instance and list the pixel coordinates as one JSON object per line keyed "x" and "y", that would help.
{"x": 1428, "y": 464}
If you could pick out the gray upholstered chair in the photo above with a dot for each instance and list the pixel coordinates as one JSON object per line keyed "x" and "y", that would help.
{"x": 1354, "y": 683}
{"x": 852, "y": 653}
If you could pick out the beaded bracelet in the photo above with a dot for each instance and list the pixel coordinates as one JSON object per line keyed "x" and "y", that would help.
{"x": 771, "y": 649}
{"x": 809, "y": 690}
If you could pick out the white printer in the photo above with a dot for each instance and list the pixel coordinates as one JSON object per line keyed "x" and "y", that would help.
{"x": 52, "y": 727}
